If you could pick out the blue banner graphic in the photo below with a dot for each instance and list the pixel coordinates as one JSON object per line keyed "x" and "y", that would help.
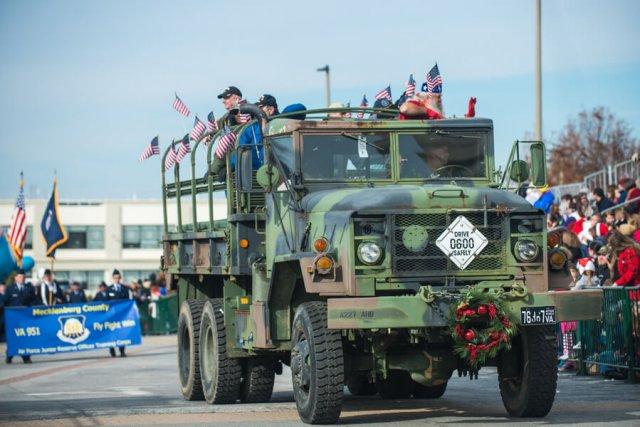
{"x": 71, "y": 327}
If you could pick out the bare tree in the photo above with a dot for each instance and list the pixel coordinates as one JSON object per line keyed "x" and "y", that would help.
{"x": 587, "y": 143}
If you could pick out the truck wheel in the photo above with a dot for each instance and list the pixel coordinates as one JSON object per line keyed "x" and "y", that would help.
{"x": 528, "y": 374}
{"x": 221, "y": 375}
{"x": 257, "y": 381}
{"x": 189, "y": 349}
{"x": 359, "y": 385}
{"x": 317, "y": 369}
{"x": 429, "y": 391}
{"x": 397, "y": 385}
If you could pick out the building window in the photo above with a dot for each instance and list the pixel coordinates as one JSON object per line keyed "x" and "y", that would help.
{"x": 141, "y": 236}
{"x": 85, "y": 237}
{"x": 129, "y": 276}
{"x": 28, "y": 243}
{"x": 87, "y": 279}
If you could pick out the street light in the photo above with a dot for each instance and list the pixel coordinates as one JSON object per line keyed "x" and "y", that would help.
{"x": 538, "y": 72}
{"x": 328, "y": 88}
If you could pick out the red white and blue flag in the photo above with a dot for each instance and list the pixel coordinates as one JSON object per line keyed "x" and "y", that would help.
{"x": 244, "y": 118}
{"x": 384, "y": 94}
{"x": 198, "y": 129}
{"x": 434, "y": 80}
{"x": 180, "y": 106}
{"x": 152, "y": 149}
{"x": 411, "y": 87}
{"x": 183, "y": 149}
{"x": 226, "y": 142}
{"x": 170, "y": 160}
{"x": 212, "y": 125}
{"x": 363, "y": 104}
{"x": 17, "y": 234}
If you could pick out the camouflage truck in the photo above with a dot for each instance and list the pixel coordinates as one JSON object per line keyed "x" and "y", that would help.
{"x": 342, "y": 257}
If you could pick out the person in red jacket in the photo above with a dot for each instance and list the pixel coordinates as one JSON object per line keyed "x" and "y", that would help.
{"x": 626, "y": 257}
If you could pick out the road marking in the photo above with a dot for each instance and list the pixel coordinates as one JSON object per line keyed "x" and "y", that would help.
{"x": 127, "y": 391}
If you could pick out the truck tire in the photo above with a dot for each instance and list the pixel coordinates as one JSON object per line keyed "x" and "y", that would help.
{"x": 359, "y": 385}
{"x": 528, "y": 373}
{"x": 221, "y": 374}
{"x": 317, "y": 365}
{"x": 397, "y": 385}
{"x": 429, "y": 391}
{"x": 189, "y": 349}
{"x": 258, "y": 376}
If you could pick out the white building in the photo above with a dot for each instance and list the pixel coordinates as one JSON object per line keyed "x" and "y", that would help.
{"x": 103, "y": 235}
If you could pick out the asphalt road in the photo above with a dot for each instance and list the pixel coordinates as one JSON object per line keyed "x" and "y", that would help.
{"x": 92, "y": 388}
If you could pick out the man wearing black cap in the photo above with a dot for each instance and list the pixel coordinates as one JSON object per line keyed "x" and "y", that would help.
{"x": 102, "y": 294}
{"x": 268, "y": 105}
{"x": 118, "y": 291}
{"x": 50, "y": 292}
{"x": 76, "y": 294}
{"x": 231, "y": 98}
{"x": 20, "y": 294}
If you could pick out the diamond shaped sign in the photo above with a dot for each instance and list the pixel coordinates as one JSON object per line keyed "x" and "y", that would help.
{"x": 461, "y": 242}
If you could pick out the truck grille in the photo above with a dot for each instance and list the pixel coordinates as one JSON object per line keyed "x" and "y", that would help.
{"x": 432, "y": 261}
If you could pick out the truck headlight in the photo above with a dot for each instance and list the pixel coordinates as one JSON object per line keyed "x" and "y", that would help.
{"x": 526, "y": 250}
{"x": 369, "y": 253}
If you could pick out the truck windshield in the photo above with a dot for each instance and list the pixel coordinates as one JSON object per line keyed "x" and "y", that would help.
{"x": 442, "y": 154}
{"x": 347, "y": 156}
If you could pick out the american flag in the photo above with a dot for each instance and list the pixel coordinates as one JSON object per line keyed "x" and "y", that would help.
{"x": 180, "y": 106}
{"x": 244, "y": 118}
{"x": 212, "y": 125}
{"x": 152, "y": 149}
{"x": 170, "y": 160}
{"x": 17, "y": 233}
{"x": 183, "y": 149}
{"x": 434, "y": 80}
{"x": 363, "y": 104}
{"x": 226, "y": 142}
{"x": 411, "y": 87}
{"x": 384, "y": 93}
{"x": 198, "y": 129}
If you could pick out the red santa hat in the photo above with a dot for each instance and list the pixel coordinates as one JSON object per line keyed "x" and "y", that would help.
{"x": 577, "y": 226}
{"x": 585, "y": 264}
{"x": 601, "y": 229}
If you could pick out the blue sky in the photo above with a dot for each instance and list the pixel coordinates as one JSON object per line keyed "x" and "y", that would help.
{"x": 85, "y": 85}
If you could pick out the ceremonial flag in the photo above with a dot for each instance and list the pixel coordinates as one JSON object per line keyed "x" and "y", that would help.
{"x": 212, "y": 125}
{"x": 363, "y": 104}
{"x": 180, "y": 106}
{"x": 411, "y": 87}
{"x": 198, "y": 129}
{"x": 17, "y": 234}
{"x": 434, "y": 80}
{"x": 227, "y": 141}
{"x": 244, "y": 118}
{"x": 183, "y": 149}
{"x": 152, "y": 149}
{"x": 51, "y": 227}
{"x": 170, "y": 160}
{"x": 384, "y": 94}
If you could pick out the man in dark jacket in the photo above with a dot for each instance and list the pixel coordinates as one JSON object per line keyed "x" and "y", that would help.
{"x": 50, "y": 293}
{"x": 602, "y": 202}
{"x": 76, "y": 294}
{"x": 20, "y": 294}
{"x": 102, "y": 294}
{"x": 118, "y": 291}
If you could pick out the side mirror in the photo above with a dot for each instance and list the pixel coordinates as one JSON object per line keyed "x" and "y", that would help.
{"x": 538, "y": 165}
{"x": 267, "y": 177}
{"x": 246, "y": 170}
{"x": 519, "y": 171}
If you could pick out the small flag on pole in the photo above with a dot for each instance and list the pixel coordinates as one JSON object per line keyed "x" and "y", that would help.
{"x": 170, "y": 160}
{"x": 244, "y": 118}
{"x": 183, "y": 149}
{"x": 227, "y": 141}
{"x": 212, "y": 125}
{"x": 180, "y": 106}
{"x": 384, "y": 94}
{"x": 434, "y": 80}
{"x": 17, "y": 234}
{"x": 152, "y": 149}
{"x": 363, "y": 104}
{"x": 51, "y": 226}
{"x": 198, "y": 129}
{"x": 411, "y": 87}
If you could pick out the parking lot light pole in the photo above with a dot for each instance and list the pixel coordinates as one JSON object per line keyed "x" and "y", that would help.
{"x": 328, "y": 83}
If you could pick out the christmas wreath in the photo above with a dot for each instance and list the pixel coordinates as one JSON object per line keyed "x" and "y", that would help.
{"x": 481, "y": 327}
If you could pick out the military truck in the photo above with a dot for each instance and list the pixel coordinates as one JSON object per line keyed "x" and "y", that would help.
{"x": 345, "y": 254}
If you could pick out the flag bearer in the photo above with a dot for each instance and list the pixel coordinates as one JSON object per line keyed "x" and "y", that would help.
{"x": 50, "y": 292}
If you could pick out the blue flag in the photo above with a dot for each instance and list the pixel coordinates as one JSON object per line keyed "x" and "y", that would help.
{"x": 52, "y": 229}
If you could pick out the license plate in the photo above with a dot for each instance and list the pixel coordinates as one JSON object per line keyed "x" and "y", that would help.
{"x": 538, "y": 315}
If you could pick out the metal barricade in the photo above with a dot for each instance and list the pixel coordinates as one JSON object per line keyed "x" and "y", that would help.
{"x": 596, "y": 179}
{"x": 159, "y": 317}
{"x": 612, "y": 343}
{"x": 627, "y": 169}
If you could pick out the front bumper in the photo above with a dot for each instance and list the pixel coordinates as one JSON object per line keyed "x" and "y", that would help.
{"x": 414, "y": 312}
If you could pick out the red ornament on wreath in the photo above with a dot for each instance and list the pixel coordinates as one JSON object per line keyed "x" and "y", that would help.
{"x": 469, "y": 335}
{"x": 483, "y": 310}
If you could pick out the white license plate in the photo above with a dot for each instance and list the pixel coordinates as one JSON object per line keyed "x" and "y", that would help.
{"x": 538, "y": 315}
